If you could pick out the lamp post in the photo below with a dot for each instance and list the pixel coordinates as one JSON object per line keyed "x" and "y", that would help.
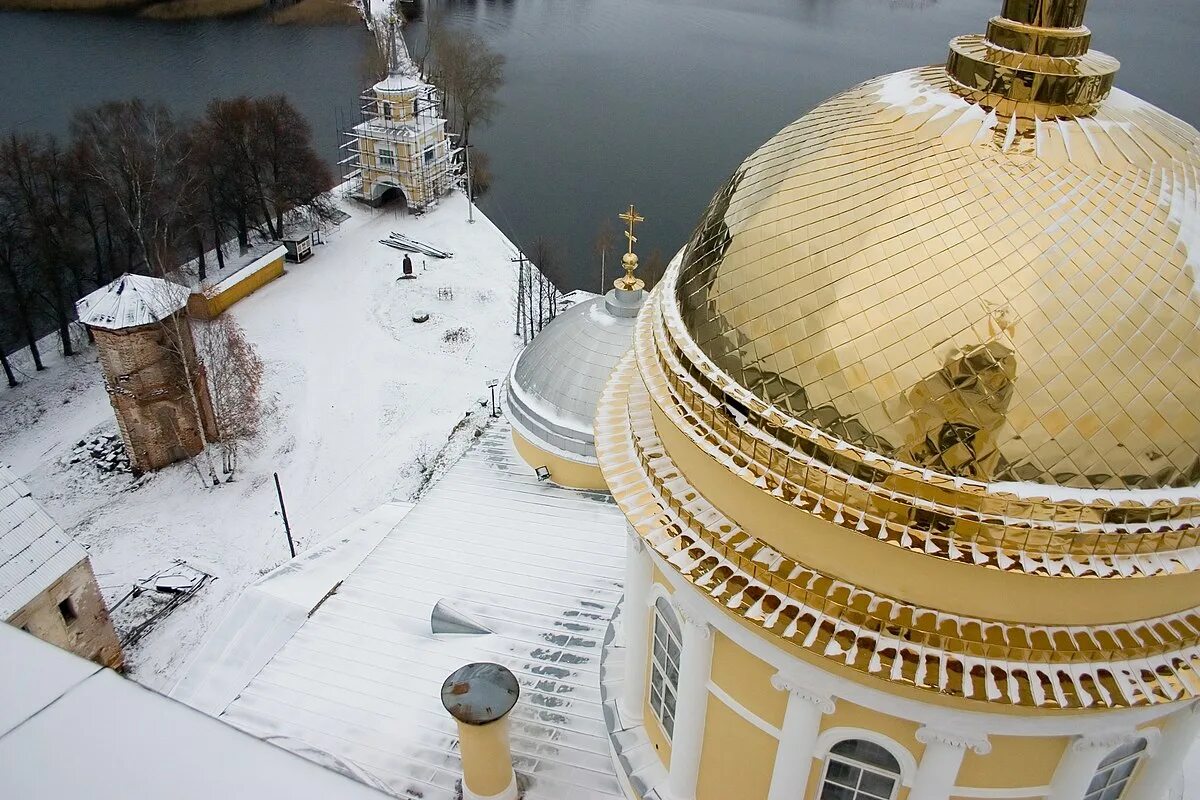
{"x": 492, "y": 384}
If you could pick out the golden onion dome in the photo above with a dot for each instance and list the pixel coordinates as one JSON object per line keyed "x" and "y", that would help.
{"x": 986, "y": 269}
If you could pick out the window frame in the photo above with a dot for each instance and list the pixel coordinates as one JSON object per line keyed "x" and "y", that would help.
{"x": 664, "y": 621}
{"x": 857, "y": 793}
{"x": 67, "y": 610}
{"x": 1106, "y": 770}
{"x": 386, "y": 161}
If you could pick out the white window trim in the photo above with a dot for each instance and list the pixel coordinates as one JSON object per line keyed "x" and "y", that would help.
{"x": 1138, "y": 758}
{"x": 654, "y": 712}
{"x": 391, "y": 156}
{"x": 830, "y": 737}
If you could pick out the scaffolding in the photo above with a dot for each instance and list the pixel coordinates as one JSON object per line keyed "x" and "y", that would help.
{"x": 400, "y": 141}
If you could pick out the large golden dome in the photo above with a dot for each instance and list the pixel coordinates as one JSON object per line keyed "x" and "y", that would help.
{"x": 981, "y": 269}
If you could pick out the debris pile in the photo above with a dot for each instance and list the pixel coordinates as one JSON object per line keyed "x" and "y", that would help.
{"x": 106, "y": 453}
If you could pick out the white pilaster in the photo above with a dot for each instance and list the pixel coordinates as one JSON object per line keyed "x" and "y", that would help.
{"x": 1078, "y": 765}
{"x": 1159, "y": 776}
{"x": 635, "y": 628}
{"x": 695, "y": 663}
{"x": 944, "y": 752}
{"x": 798, "y": 737}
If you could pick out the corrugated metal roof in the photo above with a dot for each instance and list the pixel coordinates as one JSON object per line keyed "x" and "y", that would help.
{"x": 360, "y": 680}
{"x": 34, "y": 551}
{"x": 131, "y": 300}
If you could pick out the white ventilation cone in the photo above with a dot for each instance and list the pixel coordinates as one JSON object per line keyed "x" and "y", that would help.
{"x": 448, "y": 619}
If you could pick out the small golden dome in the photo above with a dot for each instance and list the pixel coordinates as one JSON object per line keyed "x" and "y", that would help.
{"x": 971, "y": 278}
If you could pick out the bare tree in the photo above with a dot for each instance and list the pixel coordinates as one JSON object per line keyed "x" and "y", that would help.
{"x": 653, "y": 269}
{"x": 169, "y": 307}
{"x": 234, "y": 373}
{"x": 468, "y": 73}
{"x": 605, "y": 238}
{"x": 137, "y": 155}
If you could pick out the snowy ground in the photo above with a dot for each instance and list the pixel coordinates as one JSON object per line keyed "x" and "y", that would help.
{"x": 359, "y": 398}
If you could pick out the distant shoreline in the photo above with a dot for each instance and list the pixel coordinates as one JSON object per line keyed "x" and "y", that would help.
{"x": 303, "y": 12}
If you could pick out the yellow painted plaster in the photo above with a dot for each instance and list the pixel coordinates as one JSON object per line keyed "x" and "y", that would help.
{"x": 563, "y": 471}
{"x": 918, "y": 578}
{"x": 1014, "y": 762}
{"x": 486, "y": 759}
{"x": 747, "y": 679}
{"x": 737, "y": 759}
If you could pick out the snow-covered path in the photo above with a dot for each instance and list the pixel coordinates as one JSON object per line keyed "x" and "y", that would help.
{"x": 358, "y": 394}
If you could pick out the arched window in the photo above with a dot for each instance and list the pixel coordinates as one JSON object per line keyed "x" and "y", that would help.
{"x": 664, "y": 665}
{"x": 856, "y": 769}
{"x": 1114, "y": 772}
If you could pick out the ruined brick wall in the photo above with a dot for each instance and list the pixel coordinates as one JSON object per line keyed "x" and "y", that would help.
{"x": 84, "y": 629}
{"x": 147, "y": 385}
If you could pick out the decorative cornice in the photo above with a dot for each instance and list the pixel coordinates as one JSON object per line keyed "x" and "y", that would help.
{"x": 693, "y": 615}
{"x": 1104, "y": 740}
{"x": 957, "y": 739}
{"x": 788, "y": 683}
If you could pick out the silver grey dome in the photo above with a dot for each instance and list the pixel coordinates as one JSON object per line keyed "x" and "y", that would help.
{"x": 551, "y": 391}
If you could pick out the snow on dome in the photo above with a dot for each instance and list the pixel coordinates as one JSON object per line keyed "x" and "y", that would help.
{"x": 552, "y": 390}
{"x": 130, "y": 301}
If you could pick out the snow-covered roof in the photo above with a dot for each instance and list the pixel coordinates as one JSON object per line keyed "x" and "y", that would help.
{"x": 34, "y": 551}
{"x": 358, "y": 681}
{"x": 555, "y": 383}
{"x": 131, "y": 300}
{"x": 242, "y": 273}
{"x": 398, "y": 83}
{"x": 69, "y": 728}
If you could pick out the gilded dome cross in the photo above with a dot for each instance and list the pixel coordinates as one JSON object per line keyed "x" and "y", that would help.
{"x": 630, "y": 260}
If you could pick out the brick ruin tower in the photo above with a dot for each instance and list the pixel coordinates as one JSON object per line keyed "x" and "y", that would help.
{"x": 147, "y": 352}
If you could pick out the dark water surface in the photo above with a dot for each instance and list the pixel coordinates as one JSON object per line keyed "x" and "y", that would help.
{"x": 606, "y": 102}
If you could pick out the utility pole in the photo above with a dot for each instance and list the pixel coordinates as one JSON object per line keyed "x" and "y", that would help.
{"x": 520, "y": 261}
{"x": 470, "y": 195}
{"x": 283, "y": 510}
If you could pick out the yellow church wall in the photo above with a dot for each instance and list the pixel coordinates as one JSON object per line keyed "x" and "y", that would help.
{"x": 564, "y": 472}
{"x": 737, "y": 759}
{"x": 747, "y": 679}
{"x": 914, "y": 577}
{"x": 1014, "y": 762}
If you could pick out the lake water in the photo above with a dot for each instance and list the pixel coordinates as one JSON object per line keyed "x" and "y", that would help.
{"x": 606, "y": 102}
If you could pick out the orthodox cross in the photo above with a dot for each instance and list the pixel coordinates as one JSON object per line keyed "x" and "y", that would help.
{"x": 631, "y": 216}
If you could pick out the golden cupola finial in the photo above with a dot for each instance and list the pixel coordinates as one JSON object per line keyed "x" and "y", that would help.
{"x": 629, "y": 261}
{"x": 1034, "y": 62}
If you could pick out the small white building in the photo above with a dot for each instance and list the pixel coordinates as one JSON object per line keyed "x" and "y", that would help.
{"x": 47, "y": 586}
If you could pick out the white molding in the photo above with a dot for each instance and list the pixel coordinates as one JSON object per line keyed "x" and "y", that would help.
{"x": 831, "y": 736}
{"x": 1002, "y": 794}
{"x": 783, "y": 682}
{"x": 742, "y": 711}
{"x": 509, "y": 792}
{"x": 928, "y": 735}
{"x": 979, "y": 723}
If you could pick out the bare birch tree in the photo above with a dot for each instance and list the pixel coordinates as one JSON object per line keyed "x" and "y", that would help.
{"x": 234, "y": 373}
{"x": 169, "y": 306}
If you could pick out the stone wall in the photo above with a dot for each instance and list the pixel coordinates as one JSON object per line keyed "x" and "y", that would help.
{"x": 147, "y": 385}
{"x": 81, "y": 625}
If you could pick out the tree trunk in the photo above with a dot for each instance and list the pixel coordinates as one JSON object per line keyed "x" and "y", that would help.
{"x": 64, "y": 333}
{"x": 8, "y": 370}
{"x": 201, "y": 265}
